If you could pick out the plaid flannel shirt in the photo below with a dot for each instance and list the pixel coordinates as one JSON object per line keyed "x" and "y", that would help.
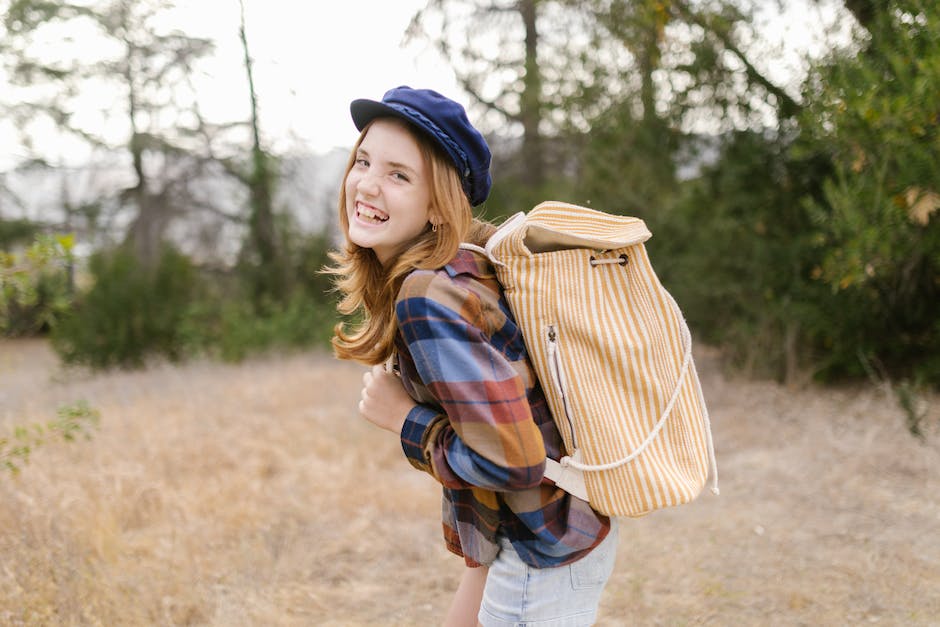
{"x": 482, "y": 427}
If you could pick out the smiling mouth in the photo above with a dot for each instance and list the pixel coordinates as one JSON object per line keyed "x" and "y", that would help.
{"x": 370, "y": 214}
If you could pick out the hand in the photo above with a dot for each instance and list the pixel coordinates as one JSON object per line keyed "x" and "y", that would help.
{"x": 385, "y": 402}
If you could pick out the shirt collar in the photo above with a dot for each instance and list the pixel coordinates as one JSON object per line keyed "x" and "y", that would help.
{"x": 470, "y": 262}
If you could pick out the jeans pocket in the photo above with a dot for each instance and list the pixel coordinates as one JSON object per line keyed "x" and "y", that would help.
{"x": 585, "y": 576}
{"x": 594, "y": 569}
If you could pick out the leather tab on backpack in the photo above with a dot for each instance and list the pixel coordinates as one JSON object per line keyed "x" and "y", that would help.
{"x": 569, "y": 479}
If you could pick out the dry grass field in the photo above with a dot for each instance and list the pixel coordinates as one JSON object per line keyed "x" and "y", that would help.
{"x": 251, "y": 494}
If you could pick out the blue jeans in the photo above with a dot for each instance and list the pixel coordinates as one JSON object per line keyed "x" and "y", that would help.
{"x": 517, "y": 594}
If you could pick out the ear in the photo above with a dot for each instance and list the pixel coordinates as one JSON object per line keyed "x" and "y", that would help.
{"x": 434, "y": 218}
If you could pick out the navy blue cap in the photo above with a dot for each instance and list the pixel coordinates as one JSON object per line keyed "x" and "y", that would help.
{"x": 444, "y": 122}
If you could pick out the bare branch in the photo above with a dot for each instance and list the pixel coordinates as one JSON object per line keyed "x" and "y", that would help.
{"x": 787, "y": 106}
{"x": 471, "y": 89}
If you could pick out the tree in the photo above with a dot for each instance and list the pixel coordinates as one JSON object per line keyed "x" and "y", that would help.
{"x": 508, "y": 67}
{"x": 864, "y": 11}
{"x": 269, "y": 278}
{"x": 875, "y": 115}
{"x": 813, "y": 247}
{"x": 681, "y": 79}
{"x": 142, "y": 65}
{"x": 720, "y": 58}
{"x": 602, "y": 91}
{"x": 626, "y": 161}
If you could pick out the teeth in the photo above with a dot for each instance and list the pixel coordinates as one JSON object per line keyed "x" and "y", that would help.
{"x": 372, "y": 214}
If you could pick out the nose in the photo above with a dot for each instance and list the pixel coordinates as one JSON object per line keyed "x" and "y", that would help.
{"x": 368, "y": 184}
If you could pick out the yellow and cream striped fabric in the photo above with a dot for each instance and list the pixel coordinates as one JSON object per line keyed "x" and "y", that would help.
{"x": 613, "y": 354}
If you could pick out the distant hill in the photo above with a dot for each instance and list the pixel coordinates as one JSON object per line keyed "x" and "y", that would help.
{"x": 209, "y": 206}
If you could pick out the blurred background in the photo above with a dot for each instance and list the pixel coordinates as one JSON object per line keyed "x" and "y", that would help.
{"x": 168, "y": 173}
{"x": 168, "y": 188}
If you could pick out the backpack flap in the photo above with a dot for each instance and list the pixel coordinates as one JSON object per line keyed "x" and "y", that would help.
{"x": 554, "y": 226}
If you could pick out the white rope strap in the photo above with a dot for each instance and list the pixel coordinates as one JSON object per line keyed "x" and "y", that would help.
{"x": 568, "y": 462}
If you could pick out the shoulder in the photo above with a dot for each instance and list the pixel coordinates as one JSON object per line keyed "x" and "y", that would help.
{"x": 466, "y": 286}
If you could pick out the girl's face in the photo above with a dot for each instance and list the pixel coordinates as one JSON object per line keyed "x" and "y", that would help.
{"x": 388, "y": 193}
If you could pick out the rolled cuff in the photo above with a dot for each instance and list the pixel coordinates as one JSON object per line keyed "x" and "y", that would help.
{"x": 413, "y": 433}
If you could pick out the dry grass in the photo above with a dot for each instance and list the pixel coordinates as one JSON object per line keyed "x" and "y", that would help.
{"x": 252, "y": 495}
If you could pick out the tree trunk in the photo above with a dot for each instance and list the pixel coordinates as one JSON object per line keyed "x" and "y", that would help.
{"x": 272, "y": 278}
{"x": 648, "y": 58}
{"x": 531, "y": 104}
{"x": 146, "y": 231}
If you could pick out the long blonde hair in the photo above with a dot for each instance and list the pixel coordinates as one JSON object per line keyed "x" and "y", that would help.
{"x": 368, "y": 289}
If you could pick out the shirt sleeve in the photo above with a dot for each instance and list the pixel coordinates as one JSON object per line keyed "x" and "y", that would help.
{"x": 486, "y": 436}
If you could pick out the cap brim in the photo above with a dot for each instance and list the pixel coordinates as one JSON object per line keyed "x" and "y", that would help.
{"x": 364, "y": 111}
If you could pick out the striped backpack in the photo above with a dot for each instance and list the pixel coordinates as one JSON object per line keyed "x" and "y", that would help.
{"x": 613, "y": 354}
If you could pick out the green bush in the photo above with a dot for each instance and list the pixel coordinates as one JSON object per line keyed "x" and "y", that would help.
{"x": 34, "y": 283}
{"x": 874, "y": 114}
{"x": 130, "y": 312}
{"x": 735, "y": 250}
{"x": 230, "y": 324}
{"x": 17, "y": 232}
{"x": 233, "y": 329}
{"x": 49, "y": 298}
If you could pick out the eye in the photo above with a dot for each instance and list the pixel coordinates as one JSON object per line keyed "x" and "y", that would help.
{"x": 400, "y": 176}
{"x": 362, "y": 162}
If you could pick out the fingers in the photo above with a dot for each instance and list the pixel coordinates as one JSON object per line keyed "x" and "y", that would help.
{"x": 370, "y": 381}
{"x": 370, "y": 376}
{"x": 384, "y": 401}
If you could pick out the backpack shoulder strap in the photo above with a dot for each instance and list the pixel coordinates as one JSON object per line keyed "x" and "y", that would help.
{"x": 474, "y": 248}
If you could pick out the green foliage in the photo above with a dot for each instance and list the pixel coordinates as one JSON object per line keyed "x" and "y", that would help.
{"x": 627, "y": 164}
{"x": 876, "y": 116}
{"x": 312, "y": 257}
{"x": 237, "y": 327}
{"x": 130, "y": 312}
{"x": 34, "y": 287}
{"x": 26, "y": 15}
{"x": 822, "y": 252}
{"x": 510, "y": 194}
{"x": 735, "y": 249}
{"x": 16, "y": 232}
{"x": 72, "y": 421}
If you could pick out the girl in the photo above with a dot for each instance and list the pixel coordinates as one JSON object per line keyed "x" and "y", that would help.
{"x": 466, "y": 406}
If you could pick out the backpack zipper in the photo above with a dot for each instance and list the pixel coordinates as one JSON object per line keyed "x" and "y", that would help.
{"x": 558, "y": 379}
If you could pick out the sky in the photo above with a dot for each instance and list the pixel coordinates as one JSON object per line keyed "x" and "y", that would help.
{"x": 313, "y": 58}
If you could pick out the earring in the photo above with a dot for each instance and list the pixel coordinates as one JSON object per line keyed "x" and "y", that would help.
{"x": 434, "y": 227}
